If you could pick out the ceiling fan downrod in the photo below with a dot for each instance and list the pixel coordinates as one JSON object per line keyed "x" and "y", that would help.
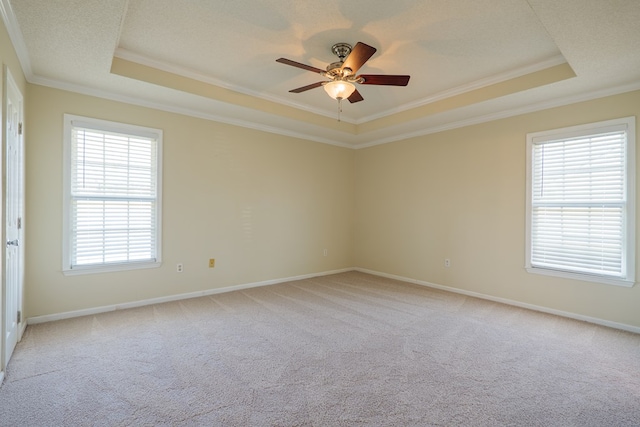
{"x": 341, "y": 50}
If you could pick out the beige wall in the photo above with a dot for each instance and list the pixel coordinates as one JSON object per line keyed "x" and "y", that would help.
{"x": 460, "y": 194}
{"x": 263, "y": 205}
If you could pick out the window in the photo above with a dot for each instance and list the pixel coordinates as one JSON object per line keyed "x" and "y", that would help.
{"x": 580, "y": 202}
{"x": 112, "y": 189}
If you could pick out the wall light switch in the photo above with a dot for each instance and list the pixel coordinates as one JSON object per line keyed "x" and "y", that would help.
{"x": 212, "y": 262}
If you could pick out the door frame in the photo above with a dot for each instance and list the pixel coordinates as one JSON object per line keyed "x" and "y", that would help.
{"x": 8, "y": 81}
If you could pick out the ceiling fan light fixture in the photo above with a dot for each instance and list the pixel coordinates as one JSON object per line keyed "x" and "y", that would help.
{"x": 339, "y": 89}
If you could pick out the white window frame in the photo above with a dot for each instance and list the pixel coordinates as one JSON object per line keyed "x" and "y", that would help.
{"x": 628, "y": 124}
{"x": 71, "y": 121}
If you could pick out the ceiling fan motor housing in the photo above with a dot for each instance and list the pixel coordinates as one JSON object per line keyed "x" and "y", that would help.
{"x": 335, "y": 70}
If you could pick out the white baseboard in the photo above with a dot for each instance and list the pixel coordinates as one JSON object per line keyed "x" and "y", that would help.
{"x": 133, "y": 304}
{"x": 104, "y": 309}
{"x": 595, "y": 320}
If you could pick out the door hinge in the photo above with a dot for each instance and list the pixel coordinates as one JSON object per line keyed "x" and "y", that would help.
{"x": 20, "y": 128}
{"x": 19, "y": 316}
{"x": 19, "y": 223}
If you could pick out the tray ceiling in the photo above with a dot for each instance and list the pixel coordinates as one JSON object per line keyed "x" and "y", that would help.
{"x": 469, "y": 60}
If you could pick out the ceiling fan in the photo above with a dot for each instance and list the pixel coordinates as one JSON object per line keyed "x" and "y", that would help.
{"x": 342, "y": 74}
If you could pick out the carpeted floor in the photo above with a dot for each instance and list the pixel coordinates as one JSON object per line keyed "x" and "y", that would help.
{"x": 343, "y": 350}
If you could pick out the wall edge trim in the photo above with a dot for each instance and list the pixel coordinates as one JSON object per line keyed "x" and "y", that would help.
{"x": 114, "y": 307}
{"x": 514, "y": 303}
{"x": 170, "y": 298}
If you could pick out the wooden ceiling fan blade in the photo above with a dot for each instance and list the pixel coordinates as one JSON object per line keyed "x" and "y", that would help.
{"x": 299, "y": 65}
{"x": 355, "y": 97}
{"x": 307, "y": 87}
{"x": 358, "y": 56}
{"x": 384, "y": 79}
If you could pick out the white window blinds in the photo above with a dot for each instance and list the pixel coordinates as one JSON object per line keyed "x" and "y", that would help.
{"x": 113, "y": 197}
{"x": 579, "y": 204}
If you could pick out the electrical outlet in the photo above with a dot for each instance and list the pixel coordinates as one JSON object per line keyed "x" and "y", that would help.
{"x": 212, "y": 262}
{"x": 179, "y": 268}
{"x": 447, "y": 262}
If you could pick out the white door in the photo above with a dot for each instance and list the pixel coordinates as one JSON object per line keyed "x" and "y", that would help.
{"x": 13, "y": 203}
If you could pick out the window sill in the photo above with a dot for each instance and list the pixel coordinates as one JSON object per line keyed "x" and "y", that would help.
{"x": 110, "y": 268}
{"x": 584, "y": 277}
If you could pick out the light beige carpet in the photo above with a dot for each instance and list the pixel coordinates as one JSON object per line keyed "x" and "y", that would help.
{"x": 344, "y": 350}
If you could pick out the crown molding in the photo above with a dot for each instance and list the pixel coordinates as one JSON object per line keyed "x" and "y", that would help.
{"x": 196, "y": 75}
{"x": 185, "y": 72}
{"x": 478, "y": 84}
{"x": 352, "y": 143}
{"x": 98, "y": 93}
{"x": 503, "y": 114}
{"x": 15, "y": 35}
{"x": 427, "y": 130}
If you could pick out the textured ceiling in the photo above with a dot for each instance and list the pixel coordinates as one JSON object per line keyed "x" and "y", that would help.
{"x": 238, "y": 43}
{"x": 469, "y": 60}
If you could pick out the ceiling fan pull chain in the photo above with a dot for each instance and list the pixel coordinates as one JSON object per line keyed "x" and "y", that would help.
{"x": 339, "y": 107}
